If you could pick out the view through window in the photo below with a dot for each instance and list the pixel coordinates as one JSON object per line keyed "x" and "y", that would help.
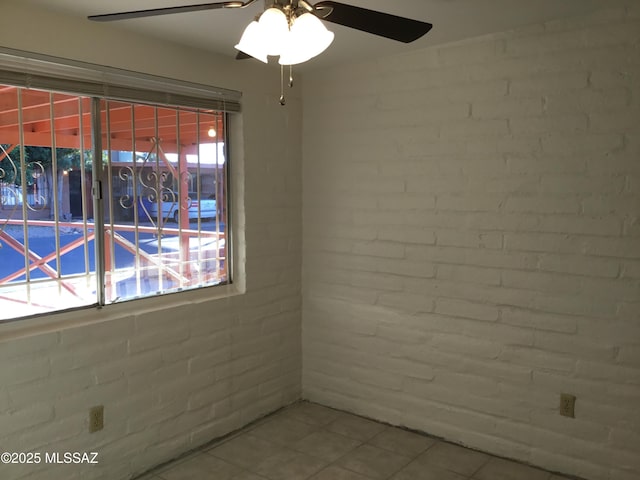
{"x": 162, "y": 192}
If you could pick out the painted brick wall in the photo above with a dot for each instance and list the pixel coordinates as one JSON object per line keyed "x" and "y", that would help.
{"x": 472, "y": 242}
{"x": 177, "y": 371}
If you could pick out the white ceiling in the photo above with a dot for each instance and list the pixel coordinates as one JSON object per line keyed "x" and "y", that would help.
{"x": 219, "y": 30}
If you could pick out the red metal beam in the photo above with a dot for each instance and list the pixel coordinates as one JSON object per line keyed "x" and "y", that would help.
{"x": 37, "y": 262}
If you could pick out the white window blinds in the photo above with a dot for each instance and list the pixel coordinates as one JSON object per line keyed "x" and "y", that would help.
{"x": 32, "y": 70}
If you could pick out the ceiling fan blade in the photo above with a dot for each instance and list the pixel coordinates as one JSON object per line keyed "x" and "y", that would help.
{"x": 383, "y": 24}
{"x": 108, "y": 17}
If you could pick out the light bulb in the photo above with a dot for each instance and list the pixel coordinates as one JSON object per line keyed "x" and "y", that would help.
{"x": 307, "y": 39}
{"x": 251, "y": 42}
{"x": 274, "y": 29}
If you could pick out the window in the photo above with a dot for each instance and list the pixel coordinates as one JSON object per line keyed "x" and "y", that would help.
{"x": 104, "y": 200}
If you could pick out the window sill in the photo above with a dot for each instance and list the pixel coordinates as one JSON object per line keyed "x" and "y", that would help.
{"x": 58, "y": 321}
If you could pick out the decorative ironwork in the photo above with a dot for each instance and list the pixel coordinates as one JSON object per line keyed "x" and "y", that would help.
{"x": 126, "y": 174}
{"x": 7, "y": 185}
{"x": 154, "y": 186}
{"x": 50, "y": 265}
{"x": 12, "y": 194}
{"x": 38, "y": 200}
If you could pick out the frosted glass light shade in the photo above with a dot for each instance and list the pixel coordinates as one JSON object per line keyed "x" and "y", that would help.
{"x": 308, "y": 38}
{"x": 252, "y": 43}
{"x": 275, "y": 30}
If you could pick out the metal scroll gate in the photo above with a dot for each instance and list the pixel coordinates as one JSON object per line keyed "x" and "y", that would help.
{"x": 160, "y": 216}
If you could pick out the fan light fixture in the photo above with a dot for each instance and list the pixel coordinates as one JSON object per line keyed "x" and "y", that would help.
{"x": 292, "y": 29}
{"x": 281, "y": 32}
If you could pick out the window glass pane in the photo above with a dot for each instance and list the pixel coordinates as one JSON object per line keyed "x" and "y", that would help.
{"x": 165, "y": 169}
{"x": 46, "y": 238}
{"x": 164, "y": 186}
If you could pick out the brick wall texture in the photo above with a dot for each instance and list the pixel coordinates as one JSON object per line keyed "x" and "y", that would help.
{"x": 471, "y": 245}
{"x": 172, "y": 372}
{"x": 469, "y": 242}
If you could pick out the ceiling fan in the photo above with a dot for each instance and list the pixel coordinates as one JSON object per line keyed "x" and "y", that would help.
{"x": 292, "y": 30}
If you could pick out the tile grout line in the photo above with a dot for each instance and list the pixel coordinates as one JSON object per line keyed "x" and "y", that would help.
{"x": 321, "y": 427}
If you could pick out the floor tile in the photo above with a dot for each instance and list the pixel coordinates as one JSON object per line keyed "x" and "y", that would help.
{"x": 312, "y": 414}
{"x": 402, "y": 441}
{"x": 455, "y": 458}
{"x": 326, "y": 445}
{"x": 373, "y": 462}
{"x": 423, "y": 471}
{"x": 289, "y": 465}
{"x": 245, "y": 450}
{"x": 310, "y": 442}
{"x": 283, "y": 431}
{"x": 201, "y": 466}
{"x": 336, "y": 473}
{"x": 500, "y": 469}
{"x": 355, "y": 427}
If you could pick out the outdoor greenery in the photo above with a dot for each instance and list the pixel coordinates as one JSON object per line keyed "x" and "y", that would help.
{"x": 66, "y": 158}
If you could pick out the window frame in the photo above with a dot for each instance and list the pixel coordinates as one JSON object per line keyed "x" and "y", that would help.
{"x": 26, "y": 70}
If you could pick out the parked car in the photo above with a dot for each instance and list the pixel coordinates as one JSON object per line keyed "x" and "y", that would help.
{"x": 169, "y": 202}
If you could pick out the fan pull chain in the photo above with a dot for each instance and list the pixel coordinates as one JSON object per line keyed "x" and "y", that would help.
{"x": 283, "y": 101}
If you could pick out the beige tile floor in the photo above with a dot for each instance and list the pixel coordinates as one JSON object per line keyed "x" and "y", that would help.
{"x": 308, "y": 441}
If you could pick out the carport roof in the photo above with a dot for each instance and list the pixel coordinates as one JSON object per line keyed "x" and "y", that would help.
{"x": 64, "y": 120}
